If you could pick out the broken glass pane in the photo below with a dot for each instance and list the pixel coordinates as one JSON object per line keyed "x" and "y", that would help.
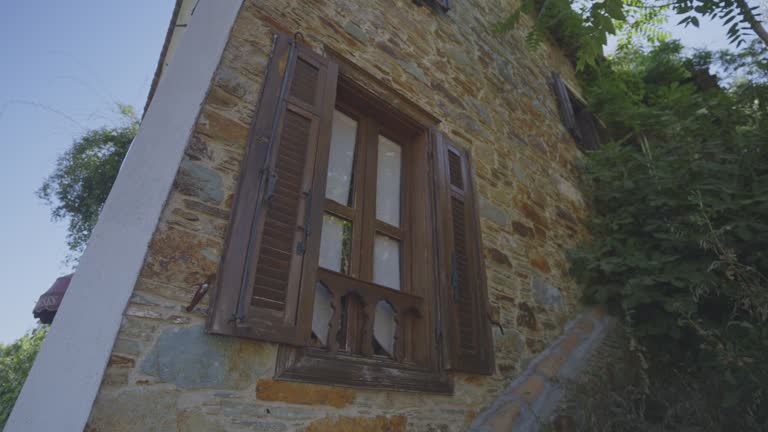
{"x": 384, "y": 329}
{"x": 322, "y": 313}
{"x": 335, "y": 243}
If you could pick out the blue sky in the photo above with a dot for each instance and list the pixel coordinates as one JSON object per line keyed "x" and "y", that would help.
{"x": 65, "y": 66}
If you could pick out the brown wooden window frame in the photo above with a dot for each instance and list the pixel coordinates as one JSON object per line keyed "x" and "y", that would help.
{"x": 416, "y": 366}
{"x": 267, "y": 280}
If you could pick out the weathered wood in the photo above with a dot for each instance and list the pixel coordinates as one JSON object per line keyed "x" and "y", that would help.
{"x": 267, "y": 267}
{"x": 463, "y": 298}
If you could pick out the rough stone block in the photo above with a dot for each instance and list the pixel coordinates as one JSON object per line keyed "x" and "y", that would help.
{"x": 200, "y": 182}
{"x": 545, "y": 294}
{"x": 233, "y": 83}
{"x": 234, "y": 408}
{"x": 358, "y": 424}
{"x": 261, "y": 425}
{"x": 176, "y": 258}
{"x": 135, "y": 410}
{"x": 356, "y": 32}
{"x": 305, "y": 394}
{"x": 526, "y": 317}
{"x": 498, "y": 256}
{"x": 493, "y": 213}
{"x": 522, "y": 230}
{"x": 196, "y": 421}
{"x": 540, "y": 263}
{"x": 127, "y": 347}
{"x": 223, "y": 129}
{"x": 189, "y": 358}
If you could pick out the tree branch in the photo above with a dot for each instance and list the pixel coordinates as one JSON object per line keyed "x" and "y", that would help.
{"x": 752, "y": 20}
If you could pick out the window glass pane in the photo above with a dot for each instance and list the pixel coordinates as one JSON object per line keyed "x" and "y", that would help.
{"x": 386, "y": 262}
{"x": 384, "y": 329}
{"x": 322, "y": 313}
{"x": 341, "y": 159}
{"x": 335, "y": 243}
{"x": 388, "y": 182}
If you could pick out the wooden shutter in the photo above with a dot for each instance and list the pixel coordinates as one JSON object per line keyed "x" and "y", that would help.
{"x": 466, "y": 332}
{"x": 587, "y": 124}
{"x": 266, "y": 271}
{"x": 567, "y": 114}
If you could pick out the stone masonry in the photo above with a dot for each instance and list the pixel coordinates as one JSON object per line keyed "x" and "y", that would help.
{"x": 492, "y": 94}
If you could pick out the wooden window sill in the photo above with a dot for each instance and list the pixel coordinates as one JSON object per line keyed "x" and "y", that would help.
{"x": 320, "y": 367}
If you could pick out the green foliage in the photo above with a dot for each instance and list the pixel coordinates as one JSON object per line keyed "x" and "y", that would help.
{"x": 580, "y": 34}
{"x": 582, "y": 28}
{"x": 15, "y": 361}
{"x": 679, "y": 240}
{"x": 83, "y": 177}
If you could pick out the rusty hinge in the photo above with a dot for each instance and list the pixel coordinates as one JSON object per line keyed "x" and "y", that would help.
{"x": 202, "y": 290}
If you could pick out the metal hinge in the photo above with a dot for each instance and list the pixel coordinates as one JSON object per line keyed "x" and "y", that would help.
{"x": 271, "y": 179}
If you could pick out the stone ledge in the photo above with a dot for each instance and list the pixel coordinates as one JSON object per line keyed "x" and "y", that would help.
{"x": 536, "y": 393}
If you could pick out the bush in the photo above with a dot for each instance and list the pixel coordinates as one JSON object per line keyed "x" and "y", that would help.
{"x": 679, "y": 241}
{"x": 15, "y": 361}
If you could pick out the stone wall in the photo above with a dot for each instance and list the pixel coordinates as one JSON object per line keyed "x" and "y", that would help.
{"x": 492, "y": 94}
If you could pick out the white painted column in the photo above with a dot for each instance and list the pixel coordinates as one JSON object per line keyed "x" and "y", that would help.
{"x": 65, "y": 378}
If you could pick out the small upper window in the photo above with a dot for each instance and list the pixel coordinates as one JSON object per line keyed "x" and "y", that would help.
{"x": 581, "y": 123}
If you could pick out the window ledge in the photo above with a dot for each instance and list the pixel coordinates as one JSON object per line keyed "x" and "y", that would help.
{"x": 308, "y": 365}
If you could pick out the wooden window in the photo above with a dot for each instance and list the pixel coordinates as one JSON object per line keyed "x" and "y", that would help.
{"x": 374, "y": 314}
{"x": 580, "y": 123}
{"x": 331, "y": 249}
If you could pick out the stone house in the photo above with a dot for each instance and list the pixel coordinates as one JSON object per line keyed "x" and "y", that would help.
{"x": 379, "y": 195}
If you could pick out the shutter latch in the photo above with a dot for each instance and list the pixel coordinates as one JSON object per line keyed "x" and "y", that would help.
{"x": 301, "y": 247}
